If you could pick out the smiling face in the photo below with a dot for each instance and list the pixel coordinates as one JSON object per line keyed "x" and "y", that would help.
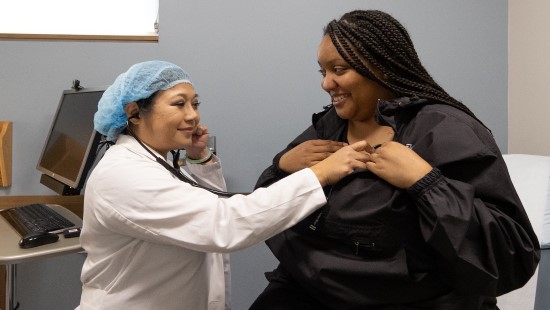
{"x": 171, "y": 120}
{"x": 354, "y": 96}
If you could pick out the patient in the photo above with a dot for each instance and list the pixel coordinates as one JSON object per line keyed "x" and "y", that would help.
{"x": 433, "y": 223}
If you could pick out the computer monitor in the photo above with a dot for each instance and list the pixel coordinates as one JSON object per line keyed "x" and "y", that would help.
{"x": 70, "y": 148}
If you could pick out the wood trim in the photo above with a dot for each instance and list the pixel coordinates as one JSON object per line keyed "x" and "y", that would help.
{"x": 6, "y": 133}
{"x": 73, "y": 203}
{"x": 78, "y": 37}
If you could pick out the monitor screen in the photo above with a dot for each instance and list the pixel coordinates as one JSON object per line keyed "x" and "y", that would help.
{"x": 71, "y": 144}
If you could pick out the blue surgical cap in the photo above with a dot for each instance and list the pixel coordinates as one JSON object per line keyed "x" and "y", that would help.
{"x": 139, "y": 82}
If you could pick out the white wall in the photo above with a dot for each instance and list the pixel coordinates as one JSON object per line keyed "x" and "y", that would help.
{"x": 529, "y": 111}
{"x": 529, "y": 77}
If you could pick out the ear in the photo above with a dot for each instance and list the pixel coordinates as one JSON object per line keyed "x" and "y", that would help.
{"x": 132, "y": 112}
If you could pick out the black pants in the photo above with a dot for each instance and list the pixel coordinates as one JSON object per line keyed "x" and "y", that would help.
{"x": 281, "y": 295}
{"x": 284, "y": 294}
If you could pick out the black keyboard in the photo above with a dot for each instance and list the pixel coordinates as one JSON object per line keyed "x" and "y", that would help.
{"x": 35, "y": 218}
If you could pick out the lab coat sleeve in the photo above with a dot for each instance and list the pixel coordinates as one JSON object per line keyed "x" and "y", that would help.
{"x": 209, "y": 175}
{"x": 155, "y": 206}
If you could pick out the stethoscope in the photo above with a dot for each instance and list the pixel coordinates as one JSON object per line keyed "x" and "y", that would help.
{"x": 175, "y": 171}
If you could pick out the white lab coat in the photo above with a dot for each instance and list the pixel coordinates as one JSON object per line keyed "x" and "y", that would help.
{"x": 155, "y": 242}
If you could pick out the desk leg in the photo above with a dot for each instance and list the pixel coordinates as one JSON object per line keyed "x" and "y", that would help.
{"x": 10, "y": 286}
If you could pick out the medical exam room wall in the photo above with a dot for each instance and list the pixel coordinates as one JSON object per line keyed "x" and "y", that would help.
{"x": 528, "y": 79}
{"x": 254, "y": 65}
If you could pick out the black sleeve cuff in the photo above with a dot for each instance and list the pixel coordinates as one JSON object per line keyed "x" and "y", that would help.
{"x": 429, "y": 180}
{"x": 278, "y": 171}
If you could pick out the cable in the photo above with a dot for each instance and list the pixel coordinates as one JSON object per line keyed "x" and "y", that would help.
{"x": 176, "y": 172}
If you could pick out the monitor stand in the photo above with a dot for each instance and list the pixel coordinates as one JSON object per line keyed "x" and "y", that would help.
{"x": 58, "y": 187}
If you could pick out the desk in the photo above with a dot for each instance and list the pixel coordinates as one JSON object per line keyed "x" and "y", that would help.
{"x": 11, "y": 254}
{"x": 73, "y": 203}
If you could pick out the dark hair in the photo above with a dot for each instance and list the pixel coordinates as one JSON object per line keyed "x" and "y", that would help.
{"x": 144, "y": 106}
{"x": 145, "y": 103}
{"x": 382, "y": 41}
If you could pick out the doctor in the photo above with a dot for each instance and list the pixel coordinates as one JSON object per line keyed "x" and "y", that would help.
{"x": 155, "y": 241}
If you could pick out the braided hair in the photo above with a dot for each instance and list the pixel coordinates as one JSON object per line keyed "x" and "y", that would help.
{"x": 382, "y": 41}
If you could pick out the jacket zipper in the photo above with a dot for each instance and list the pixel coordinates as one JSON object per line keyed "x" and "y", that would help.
{"x": 313, "y": 226}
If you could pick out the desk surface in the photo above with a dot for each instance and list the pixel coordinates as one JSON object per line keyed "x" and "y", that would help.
{"x": 11, "y": 253}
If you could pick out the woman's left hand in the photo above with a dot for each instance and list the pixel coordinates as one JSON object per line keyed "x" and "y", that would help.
{"x": 198, "y": 148}
{"x": 398, "y": 164}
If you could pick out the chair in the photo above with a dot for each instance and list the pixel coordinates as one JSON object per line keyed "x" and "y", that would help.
{"x": 531, "y": 177}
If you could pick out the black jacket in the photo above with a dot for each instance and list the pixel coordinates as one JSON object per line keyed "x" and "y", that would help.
{"x": 460, "y": 230}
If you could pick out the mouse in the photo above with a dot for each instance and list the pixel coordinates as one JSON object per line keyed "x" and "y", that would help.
{"x": 33, "y": 240}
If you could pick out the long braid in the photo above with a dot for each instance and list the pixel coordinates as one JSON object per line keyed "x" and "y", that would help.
{"x": 382, "y": 41}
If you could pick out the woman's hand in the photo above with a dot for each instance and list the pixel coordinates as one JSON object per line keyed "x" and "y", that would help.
{"x": 397, "y": 164}
{"x": 307, "y": 154}
{"x": 198, "y": 148}
{"x": 341, "y": 163}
